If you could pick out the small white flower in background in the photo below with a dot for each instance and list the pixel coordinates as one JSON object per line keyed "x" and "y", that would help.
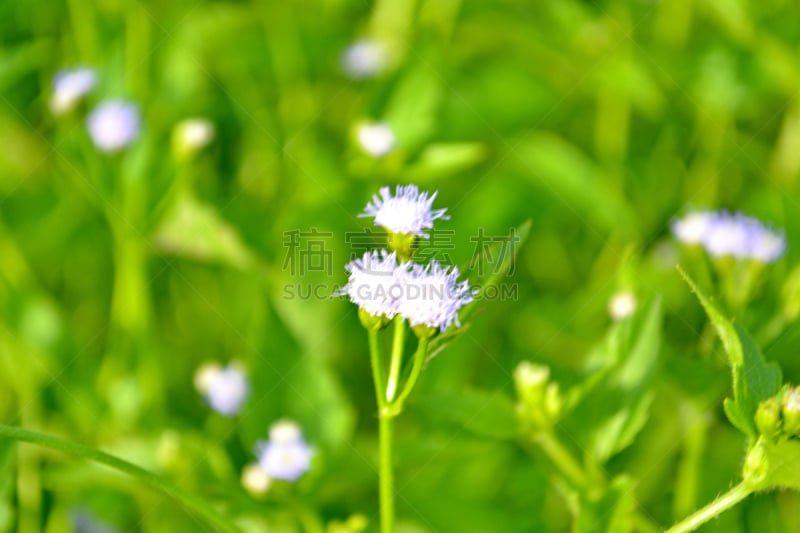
{"x": 374, "y": 283}
{"x": 113, "y": 125}
{"x": 376, "y": 139}
{"x": 192, "y": 135}
{"x": 286, "y": 455}
{"x": 407, "y": 212}
{"x": 622, "y": 305}
{"x": 432, "y": 295}
{"x": 285, "y": 432}
{"x": 225, "y": 388}
{"x": 255, "y": 480}
{"x": 725, "y": 234}
{"x": 69, "y": 87}
{"x": 529, "y": 374}
{"x": 692, "y": 228}
{"x": 365, "y": 59}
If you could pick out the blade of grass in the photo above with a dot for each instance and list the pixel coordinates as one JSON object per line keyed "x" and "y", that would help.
{"x": 194, "y": 504}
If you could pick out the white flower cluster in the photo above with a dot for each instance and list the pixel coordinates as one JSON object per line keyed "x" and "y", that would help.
{"x": 285, "y": 456}
{"x": 114, "y": 125}
{"x": 408, "y": 212}
{"x": 383, "y": 286}
{"x": 224, "y": 388}
{"x": 724, "y": 234}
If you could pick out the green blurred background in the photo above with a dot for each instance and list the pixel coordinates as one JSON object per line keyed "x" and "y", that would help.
{"x": 599, "y": 121}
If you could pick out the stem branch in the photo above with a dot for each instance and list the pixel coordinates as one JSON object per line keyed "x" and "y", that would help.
{"x": 397, "y": 357}
{"x": 416, "y": 369}
{"x": 713, "y": 509}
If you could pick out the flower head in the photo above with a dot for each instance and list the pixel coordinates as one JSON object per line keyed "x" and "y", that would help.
{"x": 725, "y": 234}
{"x": 432, "y": 295}
{"x": 225, "y": 388}
{"x": 374, "y": 283}
{"x": 113, "y": 125}
{"x": 69, "y": 87}
{"x": 286, "y": 455}
{"x": 408, "y": 211}
{"x": 377, "y": 139}
{"x": 365, "y": 59}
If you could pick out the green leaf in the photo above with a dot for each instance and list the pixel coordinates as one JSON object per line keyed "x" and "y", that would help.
{"x": 195, "y": 229}
{"x": 413, "y": 106}
{"x": 483, "y": 413}
{"x": 613, "y": 403}
{"x": 784, "y": 463}
{"x": 440, "y": 160}
{"x": 490, "y": 283}
{"x": 754, "y": 380}
{"x": 564, "y": 171}
{"x": 199, "y": 507}
{"x": 613, "y": 513}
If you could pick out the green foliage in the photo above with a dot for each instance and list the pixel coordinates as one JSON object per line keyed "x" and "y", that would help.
{"x": 584, "y": 126}
{"x": 754, "y": 380}
{"x": 613, "y": 403}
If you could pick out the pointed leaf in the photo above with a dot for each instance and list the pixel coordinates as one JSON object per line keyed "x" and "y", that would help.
{"x": 754, "y": 380}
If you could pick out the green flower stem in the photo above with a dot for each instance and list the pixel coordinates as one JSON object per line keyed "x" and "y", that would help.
{"x": 195, "y": 505}
{"x": 83, "y": 29}
{"x": 130, "y": 302}
{"x": 574, "y": 471}
{"x": 562, "y": 459}
{"x": 377, "y": 367}
{"x": 416, "y": 369}
{"x": 397, "y": 357}
{"x": 689, "y": 467}
{"x": 386, "y": 472}
{"x": 713, "y": 509}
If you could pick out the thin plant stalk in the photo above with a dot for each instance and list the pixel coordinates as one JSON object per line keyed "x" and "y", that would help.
{"x": 397, "y": 357}
{"x": 713, "y": 509}
{"x": 196, "y": 505}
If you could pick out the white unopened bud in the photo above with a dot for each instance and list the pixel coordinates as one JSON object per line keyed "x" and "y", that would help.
{"x": 192, "y": 135}
{"x": 285, "y": 432}
{"x": 622, "y": 305}
{"x": 255, "y": 480}
{"x": 205, "y": 376}
{"x": 376, "y": 139}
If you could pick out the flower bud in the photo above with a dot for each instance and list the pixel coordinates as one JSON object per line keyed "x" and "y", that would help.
{"x": 622, "y": 305}
{"x": 402, "y": 244}
{"x": 423, "y": 331}
{"x": 371, "y": 322}
{"x": 756, "y": 464}
{"x": 190, "y": 136}
{"x": 255, "y": 480}
{"x": 205, "y": 375}
{"x": 791, "y": 412}
{"x": 376, "y": 139}
{"x": 768, "y": 418}
{"x": 539, "y": 400}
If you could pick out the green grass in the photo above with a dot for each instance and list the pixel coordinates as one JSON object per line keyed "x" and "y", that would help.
{"x": 597, "y": 121}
